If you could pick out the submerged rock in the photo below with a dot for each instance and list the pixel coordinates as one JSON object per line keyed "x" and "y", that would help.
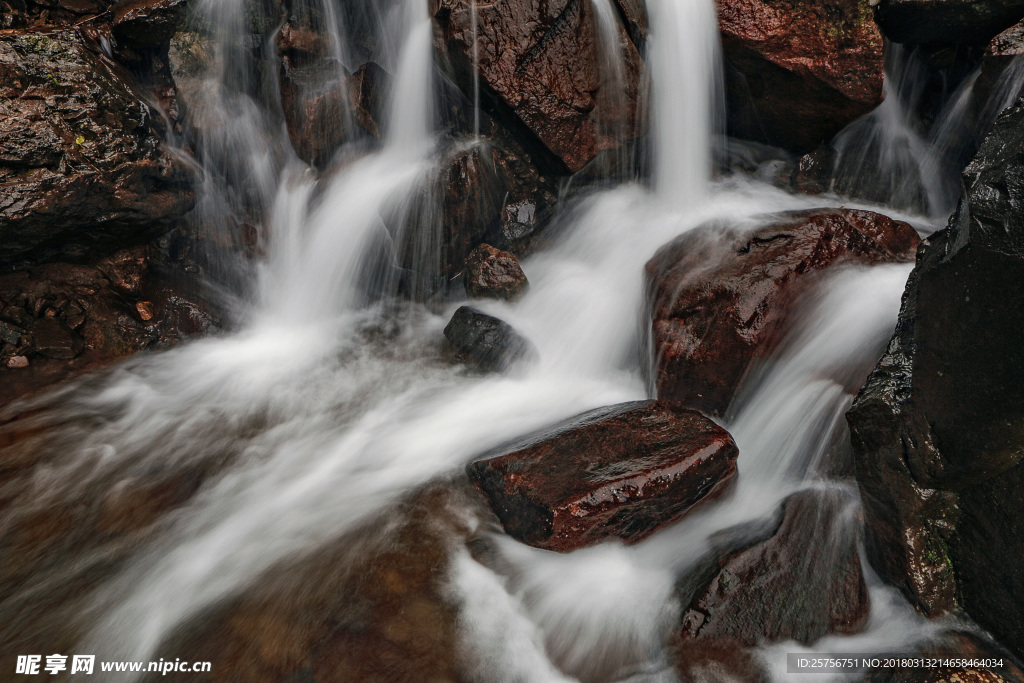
{"x": 619, "y": 472}
{"x": 81, "y": 164}
{"x": 492, "y": 273}
{"x": 959, "y": 22}
{"x": 485, "y": 342}
{"x": 799, "y": 72}
{"x": 802, "y": 583}
{"x": 939, "y": 427}
{"x": 539, "y": 61}
{"x": 720, "y": 303}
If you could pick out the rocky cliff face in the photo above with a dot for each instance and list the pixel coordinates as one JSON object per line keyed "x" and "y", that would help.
{"x": 939, "y": 429}
{"x": 82, "y": 165}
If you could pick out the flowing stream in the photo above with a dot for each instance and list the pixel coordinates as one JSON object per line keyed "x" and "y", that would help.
{"x": 310, "y": 425}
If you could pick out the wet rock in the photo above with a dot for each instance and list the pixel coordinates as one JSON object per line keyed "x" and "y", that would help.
{"x": 492, "y": 273}
{"x": 485, "y": 342}
{"x": 619, "y": 472}
{"x": 938, "y": 429}
{"x": 81, "y": 165}
{"x": 52, "y": 339}
{"x": 799, "y": 72}
{"x": 959, "y": 22}
{"x": 316, "y": 114}
{"x": 189, "y": 58}
{"x": 539, "y": 64}
{"x": 314, "y": 93}
{"x": 16, "y": 362}
{"x": 635, "y": 14}
{"x": 802, "y": 583}
{"x": 135, "y": 503}
{"x": 68, "y": 319}
{"x": 10, "y": 334}
{"x": 720, "y": 302}
{"x": 148, "y": 23}
{"x": 367, "y": 88}
{"x": 490, "y": 192}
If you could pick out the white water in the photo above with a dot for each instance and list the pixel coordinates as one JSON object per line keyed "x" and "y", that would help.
{"x": 346, "y": 425}
{"x": 686, "y": 70}
{"x": 890, "y": 156}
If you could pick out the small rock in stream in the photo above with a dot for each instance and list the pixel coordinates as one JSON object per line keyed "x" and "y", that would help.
{"x": 619, "y": 472}
{"x": 485, "y": 342}
{"x": 495, "y": 274}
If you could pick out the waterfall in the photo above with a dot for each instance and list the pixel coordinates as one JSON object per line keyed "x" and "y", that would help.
{"x": 892, "y": 156}
{"x": 308, "y": 428}
{"x": 686, "y": 70}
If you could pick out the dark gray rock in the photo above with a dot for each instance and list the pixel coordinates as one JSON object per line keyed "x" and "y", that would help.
{"x": 484, "y": 341}
{"x": 939, "y": 427}
{"x": 959, "y": 22}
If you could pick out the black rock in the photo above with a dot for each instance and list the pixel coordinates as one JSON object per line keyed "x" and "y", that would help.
{"x": 939, "y": 427}
{"x": 484, "y": 341}
{"x": 958, "y": 22}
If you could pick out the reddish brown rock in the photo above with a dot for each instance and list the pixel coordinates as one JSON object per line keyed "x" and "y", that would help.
{"x": 540, "y": 59}
{"x": 316, "y": 114}
{"x": 314, "y": 95}
{"x": 800, "y": 71}
{"x": 492, "y": 273}
{"x": 635, "y": 14}
{"x": 802, "y": 583}
{"x": 81, "y": 164}
{"x": 389, "y": 616}
{"x": 720, "y": 301}
{"x": 618, "y": 472}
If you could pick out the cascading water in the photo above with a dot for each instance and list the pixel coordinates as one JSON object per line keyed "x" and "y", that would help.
{"x": 686, "y": 69}
{"x": 891, "y": 156}
{"x": 308, "y": 428}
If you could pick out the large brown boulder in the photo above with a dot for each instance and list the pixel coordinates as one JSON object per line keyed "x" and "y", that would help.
{"x": 539, "y": 61}
{"x": 939, "y": 427}
{"x": 619, "y": 472}
{"x": 722, "y": 300}
{"x": 803, "y": 582}
{"x": 958, "y": 22}
{"x": 81, "y": 163}
{"x": 799, "y": 71}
